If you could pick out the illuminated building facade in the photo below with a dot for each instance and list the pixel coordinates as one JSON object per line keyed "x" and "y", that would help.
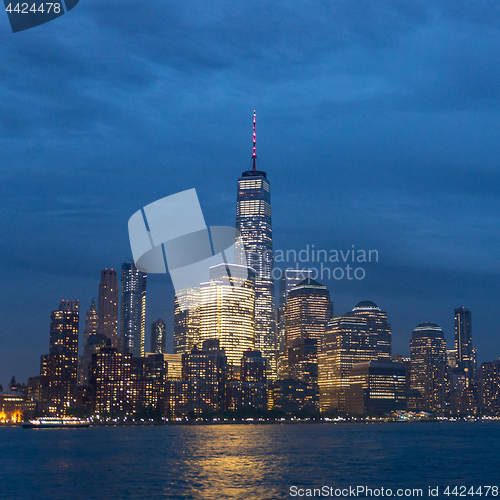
{"x": 489, "y": 388}
{"x": 107, "y": 305}
{"x": 451, "y": 358}
{"x": 110, "y": 382}
{"x": 59, "y": 368}
{"x": 293, "y": 396}
{"x": 359, "y": 336}
{"x": 133, "y": 310}
{"x": 251, "y": 390}
{"x": 186, "y": 319}
{"x": 428, "y": 366}
{"x": 227, "y": 310}
{"x": 463, "y": 343}
{"x": 253, "y": 221}
{"x": 158, "y": 336}
{"x": 15, "y": 407}
{"x": 376, "y": 387}
{"x": 203, "y": 386}
{"x": 253, "y": 367}
{"x": 307, "y": 312}
{"x": 289, "y": 279}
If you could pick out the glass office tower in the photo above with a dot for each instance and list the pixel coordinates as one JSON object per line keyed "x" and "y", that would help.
{"x": 253, "y": 221}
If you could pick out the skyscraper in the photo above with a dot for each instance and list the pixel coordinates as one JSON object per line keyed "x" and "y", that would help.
{"x": 133, "y": 310}
{"x": 186, "y": 319}
{"x": 158, "y": 336}
{"x": 289, "y": 279}
{"x": 91, "y": 324}
{"x": 92, "y": 330}
{"x": 463, "y": 343}
{"x": 359, "y": 336}
{"x": 107, "y": 305}
{"x": 64, "y": 325}
{"x": 307, "y": 312}
{"x": 227, "y": 310}
{"x": 59, "y": 368}
{"x": 253, "y": 221}
{"x": 428, "y": 366}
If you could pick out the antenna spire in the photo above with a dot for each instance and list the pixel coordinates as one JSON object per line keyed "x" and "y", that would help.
{"x": 254, "y": 155}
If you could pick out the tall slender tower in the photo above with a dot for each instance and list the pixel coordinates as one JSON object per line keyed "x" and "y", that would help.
{"x": 91, "y": 324}
{"x": 107, "y": 305}
{"x": 133, "y": 310}
{"x": 463, "y": 343}
{"x": 253, "y": 220}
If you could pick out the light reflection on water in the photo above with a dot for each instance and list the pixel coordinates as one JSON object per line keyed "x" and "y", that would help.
{"x": 257, "y": 462}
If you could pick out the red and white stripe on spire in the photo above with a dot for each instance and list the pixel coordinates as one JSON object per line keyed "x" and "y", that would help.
{"x": 254, "y": 155}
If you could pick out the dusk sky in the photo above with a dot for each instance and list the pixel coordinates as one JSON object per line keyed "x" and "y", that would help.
{"x": 378, "y": 125}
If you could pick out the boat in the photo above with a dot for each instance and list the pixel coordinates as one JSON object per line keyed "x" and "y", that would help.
{"x": 53, "y": 422}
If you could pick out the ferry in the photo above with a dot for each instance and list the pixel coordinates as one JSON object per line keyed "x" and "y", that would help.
{"x": 52, "y": 422}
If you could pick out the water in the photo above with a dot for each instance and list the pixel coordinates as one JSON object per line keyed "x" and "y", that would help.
{"x": 253, "y": 462}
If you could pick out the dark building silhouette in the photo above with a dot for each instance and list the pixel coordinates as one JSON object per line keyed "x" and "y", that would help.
{"x": 376, "y": 387}
{"x": 465, "y": 354}
{"x": 250, "y": 392}
{"x": 158, "y": 337}
{"x": 203, "y": 388}
{"x": 107, "y": 305}
{"x": 293, "y": 396}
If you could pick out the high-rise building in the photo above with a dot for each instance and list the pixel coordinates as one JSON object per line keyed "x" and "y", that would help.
{"x": 253, "y": 221}
{"x": 203, "y": 386}
{"x": 250, "y": 392}
{"x": 489, "y": 388}
{"x": 428, "y": 366}
{"x": 463, "y": 343}
{"x": 158, "y": 336}
{"x": 90, "y": 334}
{"x": 289, "y": 279}
{"x": 227, "y": 310}
{"x": 358, "y": 336}
{"x": 133, "y": 310}
{"x": 186, "y": 319}
{"x": 110, "y": 382}
{"x": 91, "y": 324}
{"x": 376, "y": 387}
{"x": 59, "y": 368}
{"x": 107, "y": 305}
{"x": 64, "y": 325}
{"x": 307, "y": 312}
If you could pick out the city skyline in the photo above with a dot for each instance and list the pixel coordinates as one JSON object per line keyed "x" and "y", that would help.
{"x": 377, "y": 127}
{"x": 109, "y": 282}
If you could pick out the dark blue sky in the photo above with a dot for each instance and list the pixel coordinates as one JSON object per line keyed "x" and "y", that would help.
{"x": 378, "y": 126}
